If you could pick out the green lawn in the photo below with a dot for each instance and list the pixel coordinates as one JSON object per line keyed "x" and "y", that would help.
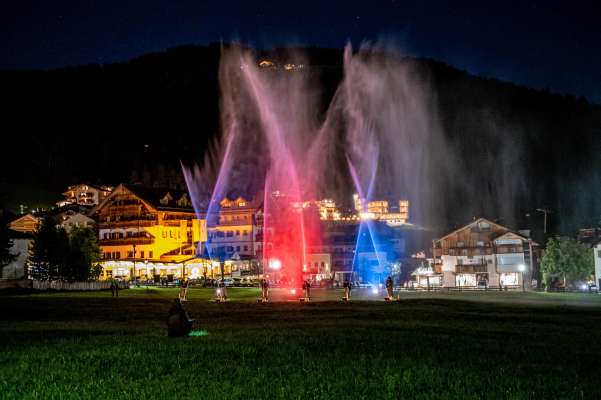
{"x": 430, "y": 345}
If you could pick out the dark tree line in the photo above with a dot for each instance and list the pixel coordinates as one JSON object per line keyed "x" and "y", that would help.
{"x": 516, "y": 149}
{"x": 56, "y": 255}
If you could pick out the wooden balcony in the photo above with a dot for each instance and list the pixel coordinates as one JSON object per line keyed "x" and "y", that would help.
{"x": 127, "y": 224}
{"x": 126, "y": 241}
{"x": 471, "y": 268}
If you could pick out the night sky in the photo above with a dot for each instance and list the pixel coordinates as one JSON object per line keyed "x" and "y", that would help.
{"x": 555, "y": 45}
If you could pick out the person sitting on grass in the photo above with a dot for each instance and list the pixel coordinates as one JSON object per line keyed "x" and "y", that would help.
{"x": 178, "y": 322}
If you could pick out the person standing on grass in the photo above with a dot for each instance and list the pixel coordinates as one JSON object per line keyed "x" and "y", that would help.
{"x": 117, "y": 289}
{"x": 389, "y": 288}
{"x": 112, "y": 288}
{"x": 347, "y": 290}
{"x": 307, "y": 289}
{"x": 264, "y": 289}
{"x": 183, "y": 291}
{"x": 221, "y": 291}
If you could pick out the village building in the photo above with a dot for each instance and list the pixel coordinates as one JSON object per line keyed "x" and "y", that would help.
{"x": 21, "y": 246}
{"x": 70, "y": 220}
{"x": 597, "y": 257}
{"x": 235, "y": 232}
{"x": 85, "y": 194}
{"x": 150, "y": 234}
{"x": 381, "y": 210}
{"x": 484, "y": 254}
{"x": 27, "y": 223}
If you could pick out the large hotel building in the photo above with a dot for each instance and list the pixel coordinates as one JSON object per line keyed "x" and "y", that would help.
{"x": 155, "y": 234}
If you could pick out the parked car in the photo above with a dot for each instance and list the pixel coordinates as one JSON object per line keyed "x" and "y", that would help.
{"x": 229, "y": 282}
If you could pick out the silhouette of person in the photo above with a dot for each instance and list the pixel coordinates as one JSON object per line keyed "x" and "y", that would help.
{"x": 389, "y": 287}
{"x": 183, "y": 291}
{"x": 178, "y": 322}
{"x": 265, "y": 290}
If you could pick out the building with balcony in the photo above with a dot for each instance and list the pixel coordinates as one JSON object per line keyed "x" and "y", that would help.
{"x": 485, "y": 253}
{"x": 351, "y": 254}
{"x": 85, "y": 194}
{"x": 148, "y": 233}
{"x": 235, "y": 231}
{"x": 381, "y": 210}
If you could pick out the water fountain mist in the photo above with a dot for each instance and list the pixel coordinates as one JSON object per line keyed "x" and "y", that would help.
{"x": 278, "y": 144}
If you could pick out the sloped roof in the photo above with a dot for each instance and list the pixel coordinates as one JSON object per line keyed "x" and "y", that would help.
{"x": 154, "y": 196}
{"x": 96, "y": 187}
{"x": 476, "y": 221}
{"x": 151, "y": 196}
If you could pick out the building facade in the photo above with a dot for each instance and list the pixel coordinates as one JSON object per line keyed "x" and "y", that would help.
{"x": 85, "y": 195}
{"x": 28, "y": 223}
{"x": 381, "y": 210}
{"x": 597, "y": 257}
{"x": 484, "y": 253}
{"x": 70, "y": 220}
{"x": 235, "y": 232}
{"x": 149, "y": 233}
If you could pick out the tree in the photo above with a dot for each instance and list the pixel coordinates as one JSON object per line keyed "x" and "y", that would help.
{"x": 44, "y": 239}
{"x": 83, "y": 255}
{"x": 568, "y": 259}
{"x": 50, "y": 251}
{"x": 6, "y": 257}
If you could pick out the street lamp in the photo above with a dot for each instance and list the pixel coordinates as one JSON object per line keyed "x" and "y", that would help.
{"x": 275, "y": 265}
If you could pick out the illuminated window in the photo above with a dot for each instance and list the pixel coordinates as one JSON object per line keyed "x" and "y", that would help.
{"x": 150, "y": 254}
{"x": 509, "y": 279}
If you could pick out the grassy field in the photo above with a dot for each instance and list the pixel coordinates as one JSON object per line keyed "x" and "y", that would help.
{"x": 430, "y": 345}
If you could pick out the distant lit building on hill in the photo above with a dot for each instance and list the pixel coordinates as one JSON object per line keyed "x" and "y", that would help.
{"x": 85, "y": 194}
{"x": 381, "y": 210}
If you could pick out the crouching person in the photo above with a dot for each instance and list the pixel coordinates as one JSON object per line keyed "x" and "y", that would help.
{"x": 178, "y": 322}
